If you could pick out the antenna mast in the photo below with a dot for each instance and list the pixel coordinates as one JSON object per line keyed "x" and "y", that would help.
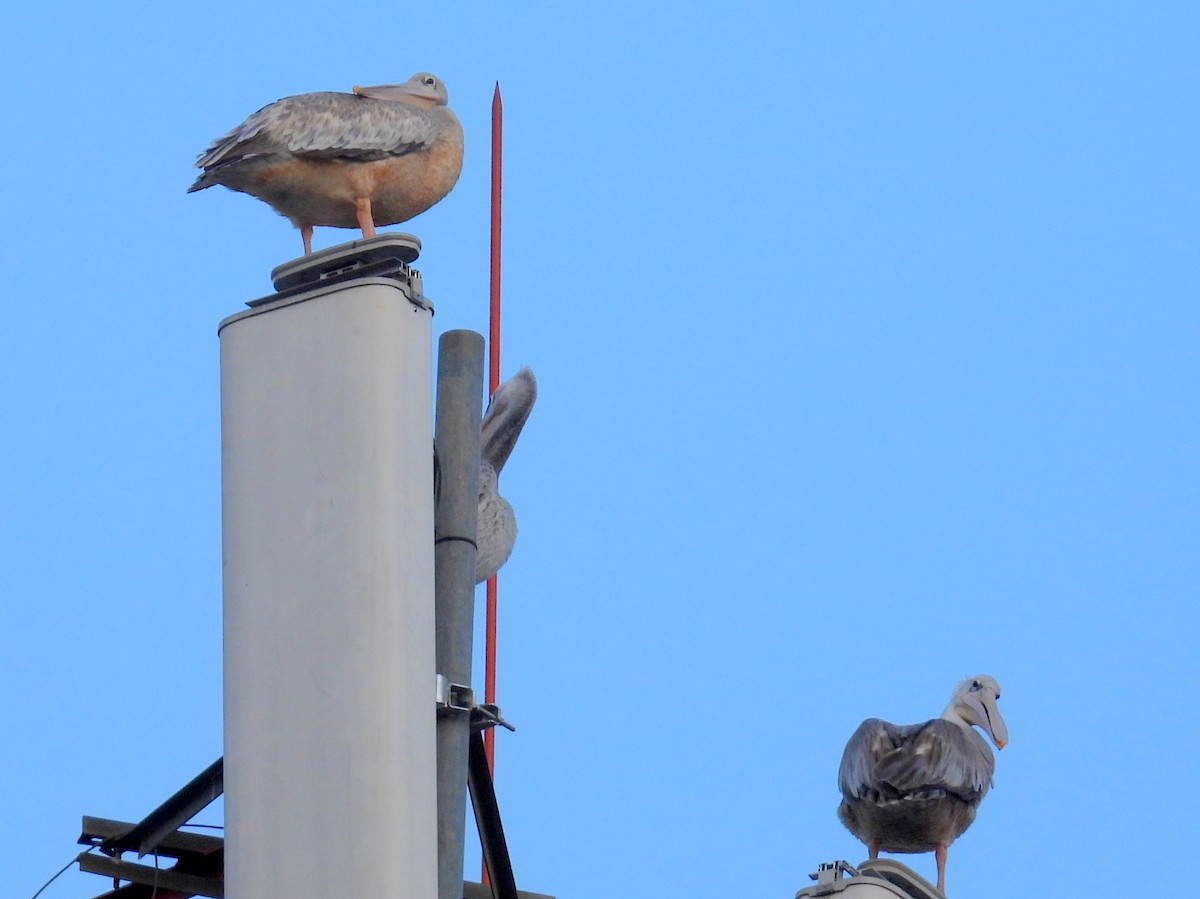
{"x": 489, "y": 683}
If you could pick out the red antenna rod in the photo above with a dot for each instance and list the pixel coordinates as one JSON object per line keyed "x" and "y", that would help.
{"x": 489, "y": 689}
{"x": 497, "y": 160}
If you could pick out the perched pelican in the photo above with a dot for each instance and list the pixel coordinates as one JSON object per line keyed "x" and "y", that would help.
{"x": 915, "y": 788}
{"x": 377, "y": 156}
{"x": 502, "y": 422}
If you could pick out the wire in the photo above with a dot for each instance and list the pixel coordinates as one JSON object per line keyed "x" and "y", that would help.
{"x": 75, "y": 858}
{"x": 61, "y": 872}
{"x": 154, "y": 888}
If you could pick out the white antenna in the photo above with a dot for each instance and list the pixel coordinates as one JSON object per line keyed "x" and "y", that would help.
{"x": 327, "y": 442}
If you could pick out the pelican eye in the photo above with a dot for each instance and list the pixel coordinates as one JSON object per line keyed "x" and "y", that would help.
{"x": 976, "y": 685}
{"x": 429, "y": 81}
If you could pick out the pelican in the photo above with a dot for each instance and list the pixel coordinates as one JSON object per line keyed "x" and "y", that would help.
{"x": 502, "y": 422}
{"x": 378, "y": 156}
{"x": 916, "y": 788}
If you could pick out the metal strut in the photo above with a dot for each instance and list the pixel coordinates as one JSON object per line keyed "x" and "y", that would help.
{"x": 487, "y": 818}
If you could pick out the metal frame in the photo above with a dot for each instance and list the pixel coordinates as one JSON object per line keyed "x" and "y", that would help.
{"x": 199, "y": 868}
{"x": 200, "y": 859}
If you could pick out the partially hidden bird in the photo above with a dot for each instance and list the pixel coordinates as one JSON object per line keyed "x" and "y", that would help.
{"x": 916, "y": 787}
{"x": 506, "y": 414}
{"x": 378, "y": 156}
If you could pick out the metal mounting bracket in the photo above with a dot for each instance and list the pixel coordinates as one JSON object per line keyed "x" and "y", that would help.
{"x": 827, "y": 872}
{"x": 829, "y": 879}
{"x": 487, "y": 714}
{"x": 451, "y": 697}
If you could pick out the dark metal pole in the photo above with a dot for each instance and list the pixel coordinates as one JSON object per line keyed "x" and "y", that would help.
{"x": 487, "y": 817}
{"x": 456, "y": 437}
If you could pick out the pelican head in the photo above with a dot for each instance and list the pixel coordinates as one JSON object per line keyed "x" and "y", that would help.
{"x": 505, "y": 416}
{"x": 974, "y": 701}
{"x": 422, "y": 89}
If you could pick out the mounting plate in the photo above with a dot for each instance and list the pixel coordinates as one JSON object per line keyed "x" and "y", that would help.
{"x": 382, "y": 256}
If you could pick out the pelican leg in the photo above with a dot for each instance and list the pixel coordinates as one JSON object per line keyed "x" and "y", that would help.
{"x": 306, "y": 236}
{"x": 940, "y": 854}
{"x": 362, "y": 211}
{"x": 873, "y": 850}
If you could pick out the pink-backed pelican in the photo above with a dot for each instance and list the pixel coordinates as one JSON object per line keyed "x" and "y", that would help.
{"x": 916, "y": 788}
{"x": 378, "y": 156}
{"x": 502, "y": 422}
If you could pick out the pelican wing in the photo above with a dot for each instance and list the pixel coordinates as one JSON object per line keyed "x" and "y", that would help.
{"x": 886, "y": 760}
{"x": 939, "y": 755}
{"x": 329, "y": 125}
{"x": 873, "y": 739}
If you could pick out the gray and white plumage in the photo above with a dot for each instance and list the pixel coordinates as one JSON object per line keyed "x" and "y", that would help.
{"x": 916, "y": 788}
{"x": 506, "y": 415}
{"x": 378, "y": 156}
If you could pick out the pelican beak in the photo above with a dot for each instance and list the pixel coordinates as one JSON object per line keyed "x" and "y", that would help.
{"x": 386, "y": 91}
{"x": 412, "y": 92}
{"x": 987, "y": 716}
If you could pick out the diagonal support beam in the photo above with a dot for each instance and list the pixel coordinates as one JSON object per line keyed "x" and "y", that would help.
{"x": 172, "y": 814}
{"x": 487, "y": 817}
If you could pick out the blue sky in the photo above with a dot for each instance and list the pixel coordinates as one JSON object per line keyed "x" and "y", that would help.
{"x": 867, "y": 344}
